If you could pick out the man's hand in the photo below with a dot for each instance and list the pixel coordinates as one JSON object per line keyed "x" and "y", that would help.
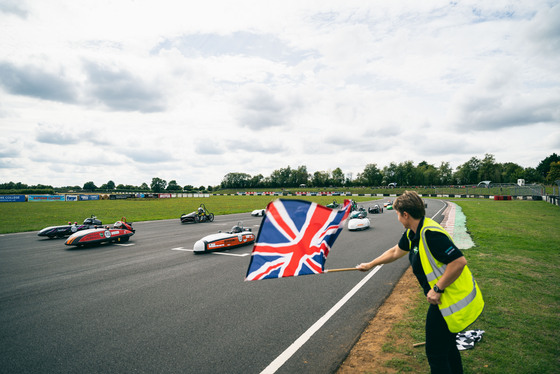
{"x": 434, "y": 297}
{"x": 364, "y": 266}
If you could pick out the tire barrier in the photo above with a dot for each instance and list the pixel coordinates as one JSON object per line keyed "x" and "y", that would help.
{"x": 554, "y": 200}
{"x": 499, "y": 197}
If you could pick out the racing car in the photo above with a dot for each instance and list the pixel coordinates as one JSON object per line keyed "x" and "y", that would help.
{"x": 70, "y": 228}
{"x": 258, "y": 212}
{"x": 358, "y": 213}
{"x": 376, "y": 209}
{"x": 119, "y": 233}
{"x": 237, "y": 237}
{"x": 358, "y": 223}
{"x": 200, "y": 215}
{"x": 333, "y": 205}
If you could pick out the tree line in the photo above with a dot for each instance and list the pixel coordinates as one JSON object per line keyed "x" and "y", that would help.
{"x": 403, "y": 174}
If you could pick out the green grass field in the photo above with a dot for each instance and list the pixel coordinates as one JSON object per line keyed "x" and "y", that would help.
{"x": 515, "y": 261}
{"x": 517, "y": 266}
{"x": 30, "y": 216}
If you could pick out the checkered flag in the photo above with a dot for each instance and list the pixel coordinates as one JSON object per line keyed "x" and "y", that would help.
{"x": 466, "y": 339}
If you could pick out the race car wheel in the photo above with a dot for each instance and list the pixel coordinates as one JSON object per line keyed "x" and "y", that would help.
{"x": 211, "y": 217}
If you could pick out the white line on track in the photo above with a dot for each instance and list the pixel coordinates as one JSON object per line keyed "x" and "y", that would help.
{"x": 231, "y": 254}
{"x": 289, "y": 352}
{"x": 214, "y": 253}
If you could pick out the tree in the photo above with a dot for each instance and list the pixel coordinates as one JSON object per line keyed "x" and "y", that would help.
{"x": 282, "y": 178}
{"x": 320, "y": 179}
{"x": 337, "y": 177}
{"x": 158, "y": 185}
{"x": 173, "y": 186}
{"x": 554, "y": 172}
{"x": 489, "y": 170}
{"x": 405, "y": 173}
{"x": 255, "y": 181}
{"x": 544, "y": 166}
{"x": 426, "y": 174}
{"x": 108, "y": 186}
{"x": 89, "y": 186}
{"x": 235, "y": 180}
{"x": 389, "y": 173}
{"x": 467, "y": 173}
{"x": 445, "y": 174}
{"x": 300, "y": 176}
{"x": 511, "y": 172}
{"x": 371, "y": 176}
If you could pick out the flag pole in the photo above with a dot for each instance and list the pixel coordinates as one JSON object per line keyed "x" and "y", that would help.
{"x": 341, "y": 269}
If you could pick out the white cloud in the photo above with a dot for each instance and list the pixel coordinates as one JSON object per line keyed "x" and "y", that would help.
{"x": 131, "y": 90}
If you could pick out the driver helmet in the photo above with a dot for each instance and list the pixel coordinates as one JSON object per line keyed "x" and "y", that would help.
{"x": 235, "y": 229}
{"x": 200, "y": 210}
{"x": 118, "y": 224}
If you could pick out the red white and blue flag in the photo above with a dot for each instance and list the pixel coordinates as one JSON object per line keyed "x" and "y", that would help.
{"x": 295, "y": 238}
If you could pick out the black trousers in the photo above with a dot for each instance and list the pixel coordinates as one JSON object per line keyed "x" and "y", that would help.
{"x": 441, "y": 348}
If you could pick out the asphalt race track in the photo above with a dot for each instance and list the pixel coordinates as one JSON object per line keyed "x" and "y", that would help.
{"x": 153, "y": 306}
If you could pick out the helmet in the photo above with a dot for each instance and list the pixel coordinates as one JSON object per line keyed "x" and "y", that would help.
{"x": 235, "y": 229}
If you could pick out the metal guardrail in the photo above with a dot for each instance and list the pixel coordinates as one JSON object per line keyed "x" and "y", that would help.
{"x": 494, "y": 189}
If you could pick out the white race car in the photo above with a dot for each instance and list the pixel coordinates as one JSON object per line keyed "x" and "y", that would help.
{"x": 237, "y": 237}
{"x": 360, "y": 223}
{"x": 258, "y": 212}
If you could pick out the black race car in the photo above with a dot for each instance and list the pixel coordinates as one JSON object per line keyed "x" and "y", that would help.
{"x": 375, "y": 209}
{"x": 200, "y": 215}
{"x": 70, "y": 228}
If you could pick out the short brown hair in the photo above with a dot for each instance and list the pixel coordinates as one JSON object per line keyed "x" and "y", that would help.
{"x": 411, "y": 203}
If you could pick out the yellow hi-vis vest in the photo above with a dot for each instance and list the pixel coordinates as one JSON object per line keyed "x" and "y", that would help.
{"x": 462, "y": 302}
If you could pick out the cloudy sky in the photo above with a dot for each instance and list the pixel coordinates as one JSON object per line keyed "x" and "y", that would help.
{"x": 129, "y": 90}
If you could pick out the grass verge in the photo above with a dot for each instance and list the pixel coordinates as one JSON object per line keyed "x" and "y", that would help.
{"x": 31, "y": 216}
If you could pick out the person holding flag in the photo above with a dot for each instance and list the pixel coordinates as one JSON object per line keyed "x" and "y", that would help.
{"x": 455, "y": 301}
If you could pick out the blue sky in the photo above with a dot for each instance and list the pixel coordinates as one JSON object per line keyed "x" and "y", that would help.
{"x": 131, "y": 90}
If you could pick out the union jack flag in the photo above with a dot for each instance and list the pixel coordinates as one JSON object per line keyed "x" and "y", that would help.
{"x": 294, "y": 239}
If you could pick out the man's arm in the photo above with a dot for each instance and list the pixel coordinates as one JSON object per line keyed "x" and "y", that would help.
{"x": 388, "y": 256}
{"x": 452, "y": 271}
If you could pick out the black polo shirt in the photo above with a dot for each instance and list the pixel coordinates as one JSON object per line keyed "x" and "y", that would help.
{"x": 441, "y": 247}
